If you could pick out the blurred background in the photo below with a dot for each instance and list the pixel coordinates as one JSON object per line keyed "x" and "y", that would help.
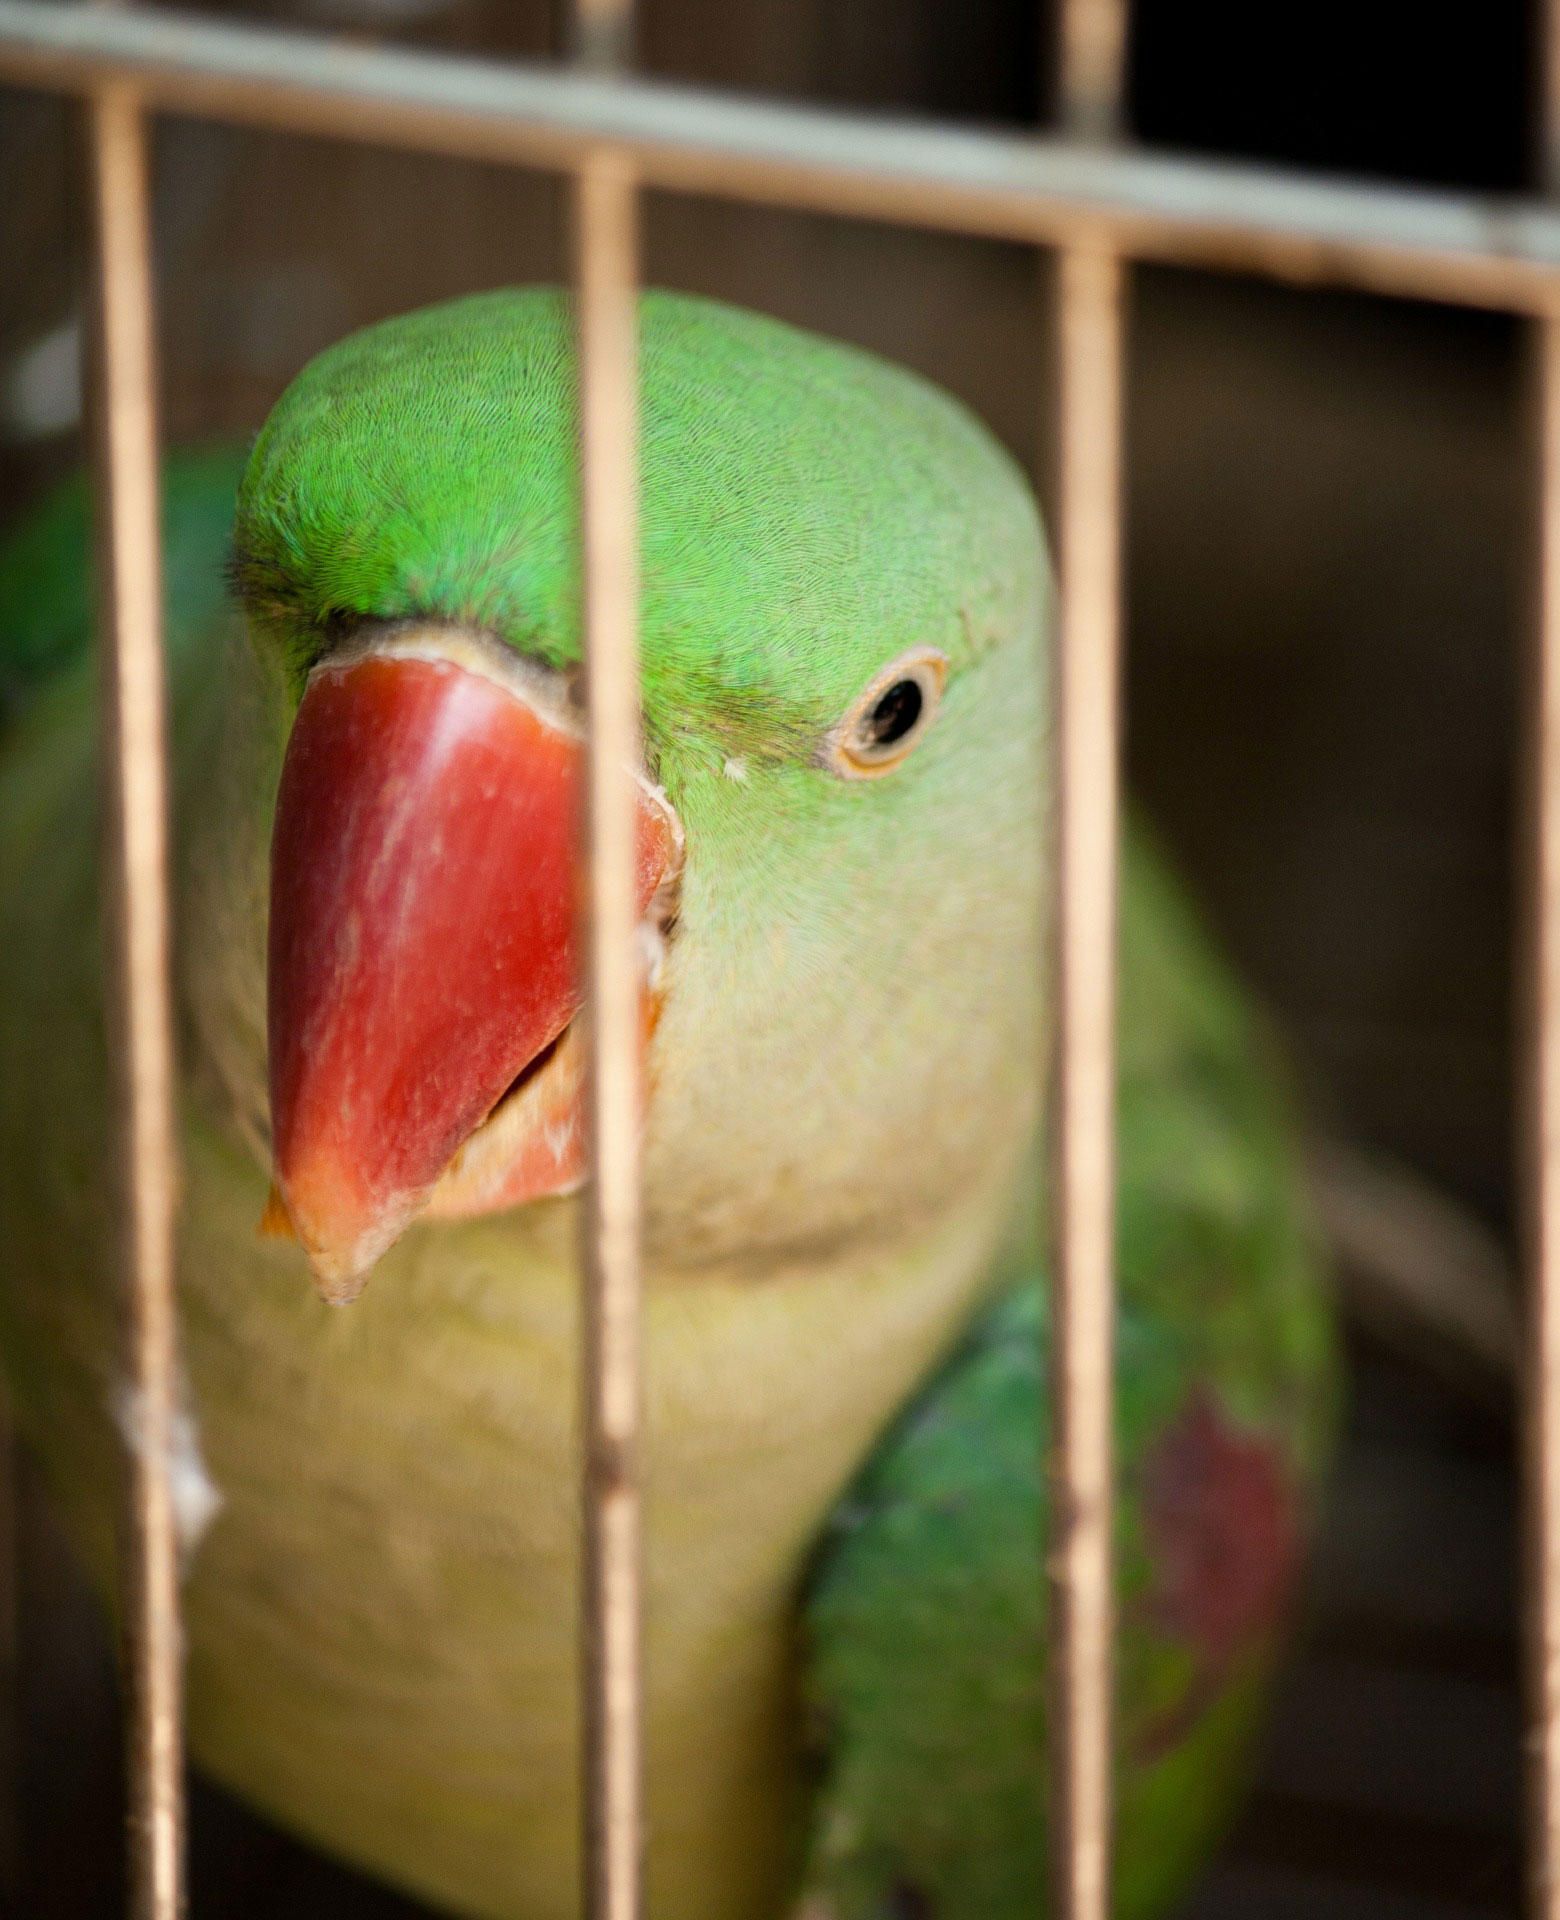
{"x": 1328, "y": 528}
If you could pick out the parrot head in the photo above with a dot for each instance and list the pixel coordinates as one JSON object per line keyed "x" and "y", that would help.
{"x": 839, "y": 807}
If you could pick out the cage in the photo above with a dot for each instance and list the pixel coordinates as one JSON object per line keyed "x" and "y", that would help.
{"x": 1100, "y": 206}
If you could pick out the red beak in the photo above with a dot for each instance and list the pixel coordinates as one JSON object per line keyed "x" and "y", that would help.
{"x": 423, "y": 948}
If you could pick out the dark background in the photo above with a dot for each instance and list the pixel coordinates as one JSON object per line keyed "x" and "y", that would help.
{"x": 1329, "y": 503}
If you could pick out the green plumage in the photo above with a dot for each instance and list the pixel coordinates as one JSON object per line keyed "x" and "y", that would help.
{"x": 381, "y": 1615}
{"x": 46, "y": 600}
{"x": 926, "y": 1604}
{"x": 765, "y": 455}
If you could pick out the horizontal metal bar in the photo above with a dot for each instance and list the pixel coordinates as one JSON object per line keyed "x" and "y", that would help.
{"x": 1442, "y": 246}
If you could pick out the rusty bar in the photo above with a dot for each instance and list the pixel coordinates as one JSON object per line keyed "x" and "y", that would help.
{"x": 1541, "y": 1370}
{"x": 10, "y": 1664}
{"x": 611, "y": 1654}
{"x": 1467, "y": 248}
{"x": 1081, "y": 1653}
{"x": 611, "y": 1651}
{"x": 604, "y": 35}
{"x": 1083, "y": 1186}
{"x": 1548, "y": 144}
{"x": 130, "y": 587}
{"x": 1093, "y": 54}
{"x": 1543, "y": 1345}
{"x": 1093, "y": 60}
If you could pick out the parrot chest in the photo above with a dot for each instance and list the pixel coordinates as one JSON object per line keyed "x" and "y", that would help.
{"x": 383, "y": 1616}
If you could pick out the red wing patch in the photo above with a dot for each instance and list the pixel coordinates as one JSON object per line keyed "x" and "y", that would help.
{"x": 1223, "y": 1532}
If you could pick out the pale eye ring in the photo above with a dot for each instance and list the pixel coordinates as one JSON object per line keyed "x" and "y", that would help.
{"x": 887, "y": 719}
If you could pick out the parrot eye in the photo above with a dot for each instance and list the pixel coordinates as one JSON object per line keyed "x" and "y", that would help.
{"x": 887, "y": 720}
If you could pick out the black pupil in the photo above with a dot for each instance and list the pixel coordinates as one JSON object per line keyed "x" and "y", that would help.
{"x": 894, "y": 714}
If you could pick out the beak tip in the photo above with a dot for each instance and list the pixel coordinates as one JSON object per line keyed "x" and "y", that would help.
{"x": 343, "y": 1255}
{"x": 340, "y": 1272}
{"x": 338, "y": 1286}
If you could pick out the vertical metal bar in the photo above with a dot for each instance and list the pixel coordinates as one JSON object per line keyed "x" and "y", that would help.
{"x": 136, "y": 874}
{"x": 1093, "y": 59}
{"x": 1542, "y": 1369}
{"x": 1083, "y": 1188}
{"x": 1087, "y": 748}
{"x": 10, "y": 1667}
{"x": 1548, "y": 102}
{"x": 604, "y": 34}
{"x": 611, "y": 1643}
{"x": 1543, "y": 1346}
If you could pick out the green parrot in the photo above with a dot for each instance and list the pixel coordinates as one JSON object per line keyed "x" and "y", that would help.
{"x": 842, "y": 869}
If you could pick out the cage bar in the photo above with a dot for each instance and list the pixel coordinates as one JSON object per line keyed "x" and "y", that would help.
{"x": 1542, "y": 1369}
{"x": 1085, "y": 674}
{"x": 1543, "y": 1356}
{"x": 612, "y": 1683}
{"x": 10, "y": 1663}
{"x": 130, "y": 585}
{"x": 603, "y": 34}
{"x": 1093, "y": 60}
{"x": 1083, "y": 1185}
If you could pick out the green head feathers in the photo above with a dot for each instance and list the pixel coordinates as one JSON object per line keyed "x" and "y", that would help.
{"x": 808, "y": 511}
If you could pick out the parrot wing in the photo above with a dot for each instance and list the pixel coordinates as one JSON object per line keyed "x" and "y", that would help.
{"x": 46, "y": 586}
{"x": 59, "y": 1323}
{"x": 924, "y": 1619}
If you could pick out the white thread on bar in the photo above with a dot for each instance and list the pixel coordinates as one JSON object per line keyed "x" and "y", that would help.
{"x": 611, "y": 1653}
{"x": 136, "y": 873}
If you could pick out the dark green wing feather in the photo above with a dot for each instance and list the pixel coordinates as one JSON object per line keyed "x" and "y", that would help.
{"x": 46, "y": 576}
{"x": 925, "y": 1616}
